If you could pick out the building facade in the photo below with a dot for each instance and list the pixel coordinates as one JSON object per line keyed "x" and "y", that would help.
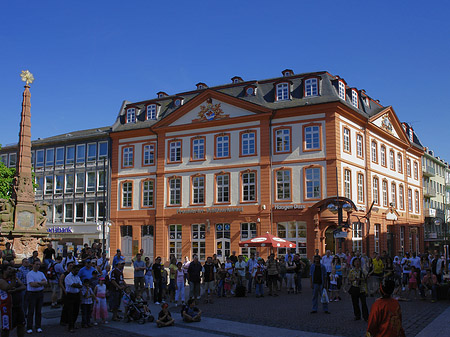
{"x": 436, "y": 192}
{"x": 200, "y": 171}
{"x": 72, "y": 175}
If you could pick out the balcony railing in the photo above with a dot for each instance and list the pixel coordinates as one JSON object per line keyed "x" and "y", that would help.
{"x": 429, "y": 212}
{"x": 428, "y": 171}
{"x": 429, "y": 191}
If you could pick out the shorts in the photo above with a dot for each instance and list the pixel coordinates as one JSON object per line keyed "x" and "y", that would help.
{"x": 54, "y": 286}
{"x": 209, "y": 286}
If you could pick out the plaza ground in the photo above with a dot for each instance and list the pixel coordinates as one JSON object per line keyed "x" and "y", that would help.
{"x": 285, "y": 315}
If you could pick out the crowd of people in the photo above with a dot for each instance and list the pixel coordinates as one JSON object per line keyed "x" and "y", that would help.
{"x": 94, "y": 285}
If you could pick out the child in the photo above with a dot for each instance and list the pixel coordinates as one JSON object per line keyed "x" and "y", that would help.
{"x": 190, "y": 312}
{"x": 142, "y": 305}
{"x": 100, "y": 309}
{"x": 334, "y": 286}
{"x": 259, "y": 281}
{"x": 179, "y": 278}
{"x": 227, "y": 284}
{"x": 148, "y": 278}
{"x": 221, "y": 282}
{"x": 164, "y": 274}
{"x": 164, "y": 317}
{"x": 87, "y": 299}
{"x": 412, "y": 284}
{"x": 94, "y": 279}
{"x": 126, "y": 299}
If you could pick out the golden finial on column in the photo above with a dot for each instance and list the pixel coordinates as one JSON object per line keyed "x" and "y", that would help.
{"x": 27, "y": 77}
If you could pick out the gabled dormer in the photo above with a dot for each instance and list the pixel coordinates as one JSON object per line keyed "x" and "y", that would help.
{"x": 311, "y": 86}
{"x": 287, "y": 72}
{"x": 201, "y": 85}
{"x": 151, "y": 111}
{"x": 354, "y": 97}
{"x": 161, "y": 94}
{"x": 237, "y": 79}
{"x": 341, "y": 88}
{"x": 177, "y": 101}
{"x": 130, "y": 115}
{"x": 282, "y": 90}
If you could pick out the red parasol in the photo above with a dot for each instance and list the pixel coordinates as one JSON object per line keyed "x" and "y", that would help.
{"x": 267, "y": 240}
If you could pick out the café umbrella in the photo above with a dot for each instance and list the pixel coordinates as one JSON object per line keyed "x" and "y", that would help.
{"x": 267, "y": 240}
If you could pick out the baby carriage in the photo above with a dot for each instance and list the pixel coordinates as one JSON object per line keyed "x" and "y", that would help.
{"x": 136, "y": 311}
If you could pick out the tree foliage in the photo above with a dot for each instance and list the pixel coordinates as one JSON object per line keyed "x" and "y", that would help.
{"x": 6, "y": 181}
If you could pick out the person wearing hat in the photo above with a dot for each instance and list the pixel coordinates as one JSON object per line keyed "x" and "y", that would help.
{"x": 385, "y": 317}
{"x": 164, "y": 317}
{"x": 117, "y": 258}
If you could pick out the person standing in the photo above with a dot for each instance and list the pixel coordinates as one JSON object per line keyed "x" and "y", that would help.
{"x": 87, "y": 302}
{"x": 299, "y": 267}
{"x": 86, "y": 271}
{"x": 290, "y": 271}
{"x": 239, "y": 267}
{"x": 24, "y": 269}
{"x": 172, "y": 278}
{"x": 251, "y": 269}
{"x": 180, "y": 278}
{"x": 33, "y": 257}
{"x": 49, "y": 254}
{"x": 358, "y": 290}
{"x": 148, "y": 278}
{"x": 72, "y": 302}
{"x": 327, "y": 261}
{"x": 157, "y": 281}
{"x": 36, "y": 282}
{"x": 103, "y": 262}
{"x": 117, "y": 258}
{"x": 62, "y": 285}
{"x": 117, "y": 285}
{"x": 139, "y": 269}
{"x": 18, "y": 315}
{"x": 385, "y": 315}
{"x": 318, "y": 277}
{"x": 54, "y": 271}
{"x": 273, "y": 270}
{"x": 209, "y": 278}
{"x": 194, "y": 271}
{"x": 5, "y": 299}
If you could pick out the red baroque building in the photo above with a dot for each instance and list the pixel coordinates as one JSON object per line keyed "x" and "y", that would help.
{"x": 199, "y": 171}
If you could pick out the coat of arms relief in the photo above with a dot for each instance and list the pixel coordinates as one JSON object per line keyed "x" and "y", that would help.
{"x": 210, "y": 112}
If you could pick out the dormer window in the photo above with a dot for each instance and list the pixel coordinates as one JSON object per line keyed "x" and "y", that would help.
{"x": 237, "y": 79}
{"x": 178, "y": 101}
{"x": 201, "y": 86}
{"x": 354, "y": 98}
{"x": 131, "y": 115}
{"x": 283, "y": 93}
{"x": 311, "y": 87}
{"x": 287, "y": 72}
{"x": 250, "y": 91}
{"x": 342, "y": 90}
{"x": 151, "y": 112}
{"x": 161, "y": 94}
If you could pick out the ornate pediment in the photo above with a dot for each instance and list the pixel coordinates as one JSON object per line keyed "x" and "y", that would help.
{"x": 210, "y": 111}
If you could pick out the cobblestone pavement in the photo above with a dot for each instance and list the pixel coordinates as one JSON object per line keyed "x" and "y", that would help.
{"x": 285, "y": 311}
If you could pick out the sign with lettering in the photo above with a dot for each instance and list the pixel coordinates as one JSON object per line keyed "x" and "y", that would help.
{"x": 209, "y": 210}
{"x": 59, "y": 229}
{"x": 288, "y": 207}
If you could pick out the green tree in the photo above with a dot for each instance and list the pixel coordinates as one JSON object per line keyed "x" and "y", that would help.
{"x": 6, "y": 181}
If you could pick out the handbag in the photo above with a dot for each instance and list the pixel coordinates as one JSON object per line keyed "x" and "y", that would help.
{"x": 324, "y": 299}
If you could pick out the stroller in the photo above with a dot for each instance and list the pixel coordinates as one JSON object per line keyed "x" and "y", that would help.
{"x": 137, "y": 311}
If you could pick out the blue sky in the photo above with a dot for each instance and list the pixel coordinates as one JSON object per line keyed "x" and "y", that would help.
{"x": 89, "y": 56}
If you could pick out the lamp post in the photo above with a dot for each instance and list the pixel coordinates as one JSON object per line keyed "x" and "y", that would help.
{"x": 104, "y": 205}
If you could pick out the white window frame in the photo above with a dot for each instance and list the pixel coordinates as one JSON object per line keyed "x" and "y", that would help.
{"x": 374, "y": 147}
{"x": 360, "y": 184}
{"x": 248, "y": 231}
{"x": 410, "y": 204}
{"x": 49, "y": 185}
{"x": 59, "y": 183}
{"x": 248, "y": 186}
{"x": 313, "y": 182}
{"x": 248, "y": 143}
{"x": 223, "y": 188}
{"x": 80, "y": 188}
{"x": 282, "y": 91}
{"x": 359, "y": 145}
{"x": 394, "y": 194}
{"x": 357, "y": 236}
{"x": 223, "y": 146}
{"x": 69, "y": 176}
{"x": 348, "y": 184}
{"x": 346, "y": 139}
{"x": 198, "y": 190}
{"x": 90, "y": 206}
{"x": 399, "y": 163}
{"x": 341, "y": 90}
{"x": 148, "y": 190}
{"x": 175, "y": 150}
{"x": 401, "y": 195}
{"x": 101, "y": 187}
{"x": 175, "y": 191}
{"x": 91, "y": 182}
{"x": 198, "y": 148}
{"x": 175, "y": 241}
{"x": 383, "y": 156}
{"x": 354, "y": 98}
{"x": 131, "y": 115}
{"x": 81, "y": 160}
{"x": 127, "y": 194}
{"x": 283, "y": 140}
{"x": 68, "y": 209}
{"x": 91, "y": 158}
{"x": 283, "y": 184}
{"x": 70, "y": 159}
{"x": 311, "y": 87}
{"x": 417, "y": 201}
{"x": 151, "y": 112}
{"x": 375, "y": 190}
{"x": 384, "y": 191}
{"x": 149, "y": 154}
{"x": 58, "y": 152}
{"x": 100, "y": 154}
{"x": 49, "y": 159}
{"x": 198, "y": 232}
{"x": 392, "y": 160}
{"x": 293, "y": 231}
{"x": 78, "y": 218}
{"x": 128, "y": 156}
{"x": 312, "y": 137}
{"x": 376, "y": 237}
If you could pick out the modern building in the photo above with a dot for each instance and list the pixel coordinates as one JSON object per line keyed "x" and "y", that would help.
{"x": 436, "y": 192}
{"x": 72, "y": 174}
{"x": 199, "y": 171}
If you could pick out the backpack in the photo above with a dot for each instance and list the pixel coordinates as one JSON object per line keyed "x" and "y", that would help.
{"x": 51, "y": 272}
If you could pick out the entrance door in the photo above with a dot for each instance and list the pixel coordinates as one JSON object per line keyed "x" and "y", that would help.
{"x": 223, "y": 243}
{"x": 147, "y": 241}
{"x": 329, "y": 239}
{"x": 126, "y": 232}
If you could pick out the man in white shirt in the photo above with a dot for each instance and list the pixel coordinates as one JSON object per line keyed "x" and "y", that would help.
{"x": 103, "y": 261}
{"x": 406, "y": 265}
{"x": 240, "y": 269}
{"x": 326, "y": 261}
{"x": 36, "y": 282}
{"x": 69, "y": 258}
{"x": 73, "y": 285}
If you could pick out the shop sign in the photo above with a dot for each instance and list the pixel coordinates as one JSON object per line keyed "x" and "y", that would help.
{"x": 60, "y": 230}
{"x": 340, "y": 235}
{"x": 289, "y": 207}
{"x": 209, "y": 210}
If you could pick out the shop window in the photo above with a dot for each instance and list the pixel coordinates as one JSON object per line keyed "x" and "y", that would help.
{"x": 248, "y": 231}
{"x": 198, "y": 241}
{"x": 294, "y": 231}
{"x": 175, "y": 241}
